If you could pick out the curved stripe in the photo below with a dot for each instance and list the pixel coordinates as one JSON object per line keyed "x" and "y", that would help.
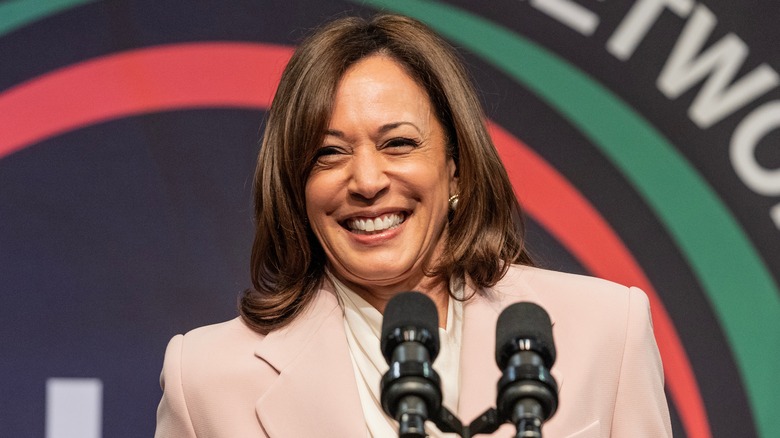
{"x": 565, "y": 213}
{"x": 184, "y": 87}
{"x": 139, "y": 81}
{"x": 19, "y": 13}
{"x": 737, "y": 281}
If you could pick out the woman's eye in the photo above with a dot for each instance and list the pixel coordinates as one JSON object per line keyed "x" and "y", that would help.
{"x": 326, "y": 152}
{"x": 401, "y": 142}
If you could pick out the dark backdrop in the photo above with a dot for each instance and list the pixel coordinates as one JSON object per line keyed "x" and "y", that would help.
{"x": 129, "y": 130}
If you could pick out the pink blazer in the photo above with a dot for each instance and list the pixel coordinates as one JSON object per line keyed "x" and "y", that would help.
{"x": 225, "y": 380}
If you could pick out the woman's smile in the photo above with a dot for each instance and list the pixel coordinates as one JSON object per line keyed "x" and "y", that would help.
{"x": 375, "y": 225}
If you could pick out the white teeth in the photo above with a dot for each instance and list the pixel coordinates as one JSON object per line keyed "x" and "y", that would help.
{"x": 375, "y": 225}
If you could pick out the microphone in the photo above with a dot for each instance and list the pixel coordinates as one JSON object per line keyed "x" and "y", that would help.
{"x": 525, "y": 352}
{"x": 411, "y": 389}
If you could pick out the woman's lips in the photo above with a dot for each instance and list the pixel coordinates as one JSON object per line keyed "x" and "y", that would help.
{"x": 375, "y": 225}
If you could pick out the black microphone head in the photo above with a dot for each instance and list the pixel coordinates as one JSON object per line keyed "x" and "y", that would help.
{"x": 410, "y": 310}
{"x": 527, "y": 322}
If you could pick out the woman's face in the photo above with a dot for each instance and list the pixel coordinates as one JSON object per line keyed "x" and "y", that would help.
{"x": 377, "y": 197}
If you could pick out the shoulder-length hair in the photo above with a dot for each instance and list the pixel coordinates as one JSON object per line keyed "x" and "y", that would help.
{"x": 486, "y": 230}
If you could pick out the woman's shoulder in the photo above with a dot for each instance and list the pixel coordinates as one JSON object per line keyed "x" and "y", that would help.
{"x": 587, "y": 312}
{"x": 214, "y": 347}
{"x": 231, "y": 328}
{"x": 572, "y": 286}
{"x": 217, "y": 355}
{"x": 224, "y": 337}
{"x": 209, "y": 376}
{"x": 574, "y": 297}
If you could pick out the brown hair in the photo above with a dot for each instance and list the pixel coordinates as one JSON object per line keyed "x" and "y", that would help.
{"x": 486, "y": 230}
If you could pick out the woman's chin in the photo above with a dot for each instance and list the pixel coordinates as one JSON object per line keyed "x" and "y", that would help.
{"x": 378, "y": 275}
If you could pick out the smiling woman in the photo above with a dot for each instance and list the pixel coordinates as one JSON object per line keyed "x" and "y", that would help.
{"x": 390, "y": 89}
{"x": 377, "y": 176}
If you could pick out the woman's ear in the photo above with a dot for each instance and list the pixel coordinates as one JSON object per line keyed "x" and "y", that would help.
{"x": 452, "y": 169}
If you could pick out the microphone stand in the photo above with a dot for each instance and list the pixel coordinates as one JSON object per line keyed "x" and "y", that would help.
{"x": 528, "y": 426}
{"x": 488, "y": 422}
{"x": 412, "y": 424}
{"x": 446, "y": 421}
{"x": 524, "y": 403}
{"x": 407, "y": 391}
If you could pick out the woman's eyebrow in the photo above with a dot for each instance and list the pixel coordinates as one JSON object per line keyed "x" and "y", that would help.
{"x": 335, "y": 133}
{"x": 390, "y": 126}
{"x": 382, "y": 129}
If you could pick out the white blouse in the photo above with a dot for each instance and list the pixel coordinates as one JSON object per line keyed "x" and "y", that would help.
{"x": 363, "y": 325}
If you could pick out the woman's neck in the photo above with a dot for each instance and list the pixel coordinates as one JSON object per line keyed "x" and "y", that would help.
{"x": 378, "y": 296}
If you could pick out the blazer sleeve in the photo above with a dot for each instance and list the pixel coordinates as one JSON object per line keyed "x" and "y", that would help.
{"x": 641, "y": 409}
{"x": 173, "y": 418}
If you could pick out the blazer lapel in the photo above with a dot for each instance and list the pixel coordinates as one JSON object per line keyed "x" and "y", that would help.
{"x": 315, "y": 391}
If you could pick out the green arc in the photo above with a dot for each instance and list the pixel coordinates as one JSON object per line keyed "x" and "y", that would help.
{"x": 19, "y": 13}
{"x": 740, "y": 287}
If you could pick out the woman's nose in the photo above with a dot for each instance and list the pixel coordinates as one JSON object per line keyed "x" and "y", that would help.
{"x": 369, "y": 174}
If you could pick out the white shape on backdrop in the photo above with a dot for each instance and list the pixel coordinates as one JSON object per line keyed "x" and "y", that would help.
{"x": 74, "y": 408}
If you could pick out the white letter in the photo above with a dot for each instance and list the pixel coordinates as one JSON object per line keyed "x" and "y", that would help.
{"x": 686, "y": 66}
{"x": 73, "y": 408}
{"x": 774, "y": 213}
{"x": 569, "y": 13}
{"x": 637, "y": 23}
{"x": 750, "y": 131}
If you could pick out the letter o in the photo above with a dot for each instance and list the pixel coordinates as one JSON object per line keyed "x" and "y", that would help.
{"x": 754, "y": 127}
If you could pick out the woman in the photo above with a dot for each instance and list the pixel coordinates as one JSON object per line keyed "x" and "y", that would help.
{"x": 377, "y": 175}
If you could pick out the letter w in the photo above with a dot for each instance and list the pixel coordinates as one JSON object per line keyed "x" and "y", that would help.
{"x": 687, "y": 66}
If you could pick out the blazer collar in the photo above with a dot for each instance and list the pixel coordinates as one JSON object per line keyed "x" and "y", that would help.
{"x": 315, "y": 390}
